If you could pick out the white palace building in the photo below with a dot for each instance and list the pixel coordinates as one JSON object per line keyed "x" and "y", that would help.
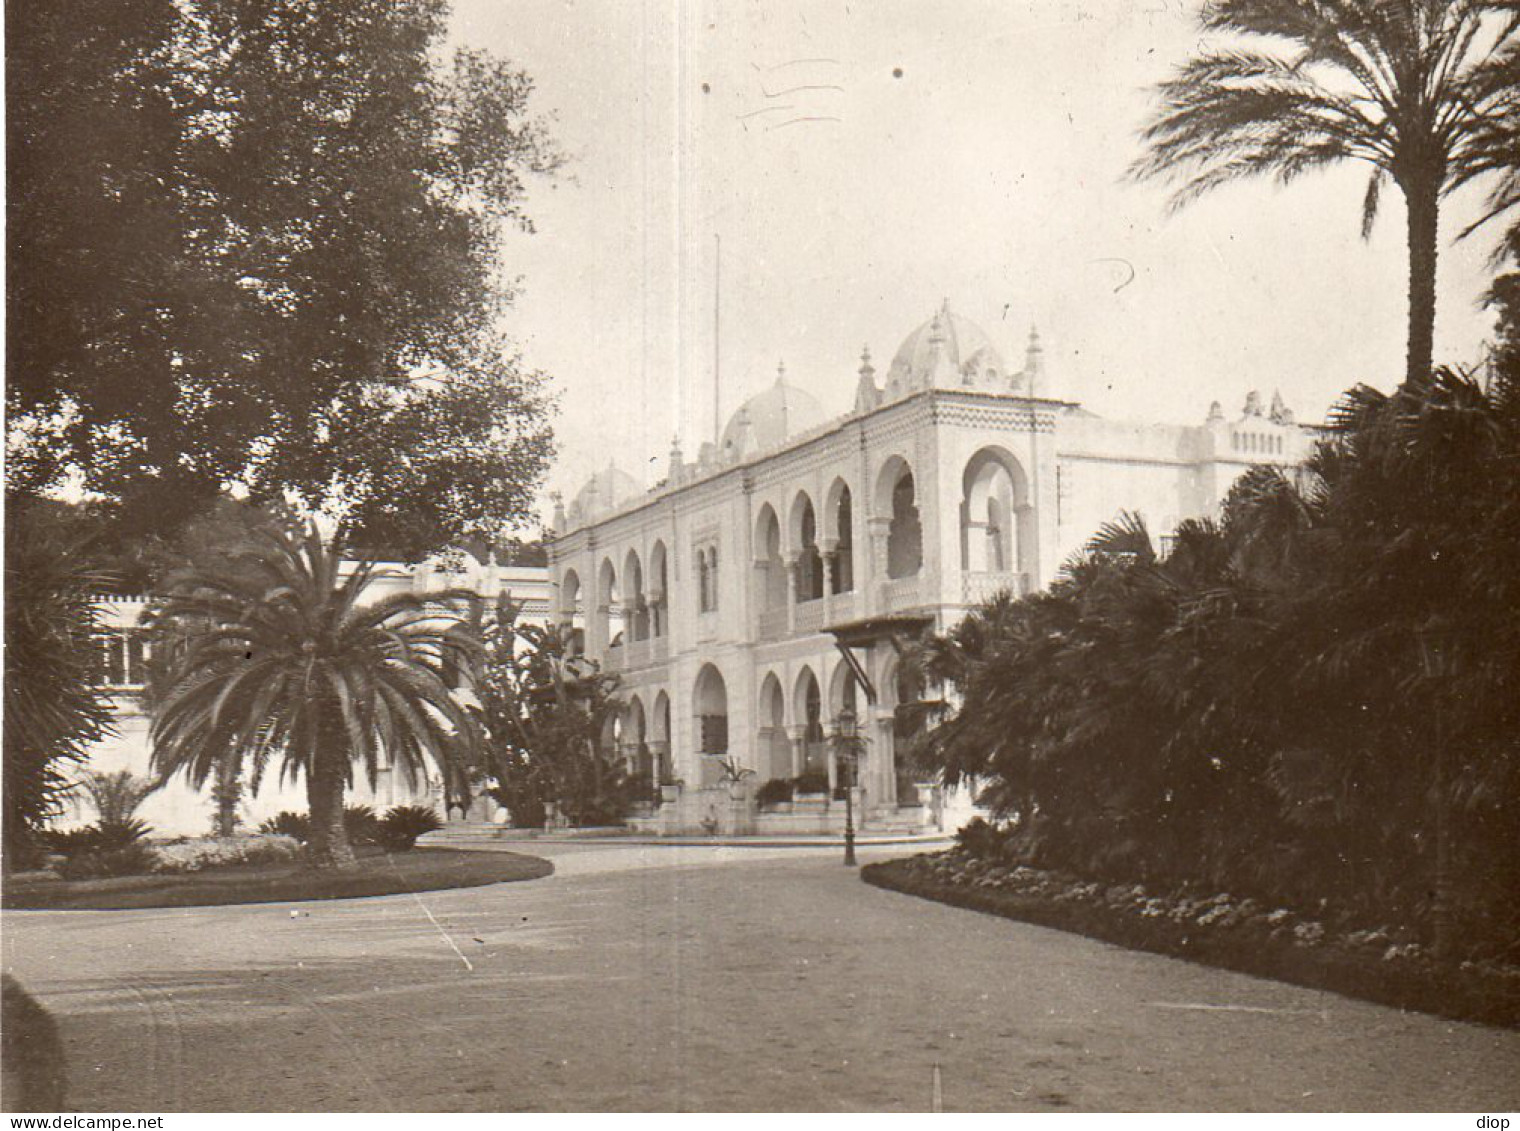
{"x": 759, "y": 591}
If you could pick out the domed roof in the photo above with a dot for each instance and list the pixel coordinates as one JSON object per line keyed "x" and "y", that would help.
{"x": 767, "y": 419}
{"x": 603, "y": 491}
{"x": 946, "y": 352}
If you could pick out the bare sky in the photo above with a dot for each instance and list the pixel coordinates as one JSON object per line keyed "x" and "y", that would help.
{"x": 864, "y": 160}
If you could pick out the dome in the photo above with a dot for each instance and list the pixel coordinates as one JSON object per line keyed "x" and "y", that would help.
{"x": 946, "y": 352}
{"x": 603, "y": 491}
{"x": 767, "y": 419}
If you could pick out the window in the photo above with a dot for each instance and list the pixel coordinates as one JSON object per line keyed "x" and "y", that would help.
{"x": 126, "y": 659}
{"x": 707, "y": 578}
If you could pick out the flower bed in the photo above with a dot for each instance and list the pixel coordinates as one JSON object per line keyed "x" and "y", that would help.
{"x": 210, "y": 852}
{"x": 1386, "y": 965}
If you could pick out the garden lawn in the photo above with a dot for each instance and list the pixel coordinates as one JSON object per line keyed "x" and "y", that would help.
{"x": 424, "y": 869}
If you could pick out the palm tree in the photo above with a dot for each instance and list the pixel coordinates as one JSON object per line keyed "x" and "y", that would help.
{"x": 1427, "y": 92}
{"x": 276, "y": 653}
{"x": 54, "y": 709}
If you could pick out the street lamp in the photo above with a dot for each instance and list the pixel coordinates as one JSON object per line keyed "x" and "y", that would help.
{"x": 1435, "y": 639}
{"x": 847, "y": 743}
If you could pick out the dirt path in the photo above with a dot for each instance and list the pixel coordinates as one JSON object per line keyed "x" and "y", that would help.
{"x": 738, "y": 979}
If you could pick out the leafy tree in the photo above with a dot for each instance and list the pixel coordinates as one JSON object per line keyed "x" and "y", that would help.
{"x": 545, "y": 712}
{"x": 1255, "y": 709}
{"x": 53, "y": 711}
{"x": 260, "y": 245}
{"x": 1427, "y": 92}
{"x": 281, "y": 657}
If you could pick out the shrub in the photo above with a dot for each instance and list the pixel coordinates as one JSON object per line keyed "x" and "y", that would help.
{"x": 295, "y": 825}
{"x": 116, "y": 796}
{"x": 134, "y": 859}
{"x": 777, "y": 791}
{"x": 362, "y": 825}
{"x": 401, "y": 826}
{"x": 980, "y": 839}
{"x": 95, "y": 838}
{"x": 359, "y": 821}
{"x": 812, "y": 781}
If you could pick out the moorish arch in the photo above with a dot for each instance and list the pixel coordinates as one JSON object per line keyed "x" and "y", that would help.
{"x": 569, "y": 598}
{"x": 897, "y": 500}
{"x": 770, "y": 567}
{"x": 659, "y": 589}
{"x": 636, "y": 608}
{"x": 996, "y": 519}
{"x": 774, "y": 743}
{"x": 839, "y": 532}
{"x": 901, "y": 690}
{"x": 608, "y": 601}
{"x": 803, "y": 526}
{"x": 659, "y": 739}
{"x": 636, "y": 735}
{"x": 807, "y": 720}
{"x": 844, "y": 694}
{"x": 710, "y": 702}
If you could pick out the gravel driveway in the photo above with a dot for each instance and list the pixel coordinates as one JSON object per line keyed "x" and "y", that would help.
{"x": 699, "y": 979}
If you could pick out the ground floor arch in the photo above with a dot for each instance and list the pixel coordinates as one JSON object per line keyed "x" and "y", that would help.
{"x": 710, "y": 706}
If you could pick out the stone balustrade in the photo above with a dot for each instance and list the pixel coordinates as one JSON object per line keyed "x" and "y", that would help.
{"x": 809, "y": 617}
{"x": 978, "y": 587}
{"x": 773, "y": 624}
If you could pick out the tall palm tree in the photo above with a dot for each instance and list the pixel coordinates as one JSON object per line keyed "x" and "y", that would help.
{"x": 1427, "y": 92}
{"x": 276, "y": 654}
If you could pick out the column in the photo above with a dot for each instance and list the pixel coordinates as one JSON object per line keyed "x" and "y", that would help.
{"x": 877, "y": 530}
{"x": 799, "y": 747}
{"x": 829, "y": 552}
{"x": 791, "y": 594}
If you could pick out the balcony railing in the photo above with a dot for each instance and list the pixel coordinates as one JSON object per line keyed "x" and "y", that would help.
{"x": 841, "y": 608}
{"x": 978, "y": 587}
{"x": 900, "y": 592}
{"x": 637, "y": 653}
{"x": 772, "y": 624}
{"x": 810, "y": 616}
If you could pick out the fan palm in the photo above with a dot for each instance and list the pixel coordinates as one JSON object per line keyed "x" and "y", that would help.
{"x": 1427, "y": 92}
{"x": 275, "y": 653}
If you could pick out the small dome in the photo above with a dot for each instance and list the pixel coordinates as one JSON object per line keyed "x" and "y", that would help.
{"x": 603, "y": 491}
{"x": 946, "y": 352}
{"x": 767, "y": 419}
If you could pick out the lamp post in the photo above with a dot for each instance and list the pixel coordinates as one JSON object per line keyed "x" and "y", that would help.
{"x": 848, "y": 740}
{"x": 1435, "y": 639}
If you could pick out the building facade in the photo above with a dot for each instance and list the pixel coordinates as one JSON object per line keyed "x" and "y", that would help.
{"x": 763, "y": 592}
{"x": 177, "y": 809}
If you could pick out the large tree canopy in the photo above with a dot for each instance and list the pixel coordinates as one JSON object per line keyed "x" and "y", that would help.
{"x": 259, "y": 244}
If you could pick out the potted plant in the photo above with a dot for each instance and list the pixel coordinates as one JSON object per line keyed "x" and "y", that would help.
{"x": 736, "y": 777}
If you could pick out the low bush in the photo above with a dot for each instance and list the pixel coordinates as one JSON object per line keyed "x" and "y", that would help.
{"x": 401, "y": 826}
{"x": 812, "y": 781}
{"x": 362, "y": 825}
{"x": 359, "y": 821}
{"x": 134, "y": 859}
{"x": 980, "y": 838}
{"x": 777, "y": 791}
{"x": 95, "y": 839}
{"x": 294, "y": 825}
